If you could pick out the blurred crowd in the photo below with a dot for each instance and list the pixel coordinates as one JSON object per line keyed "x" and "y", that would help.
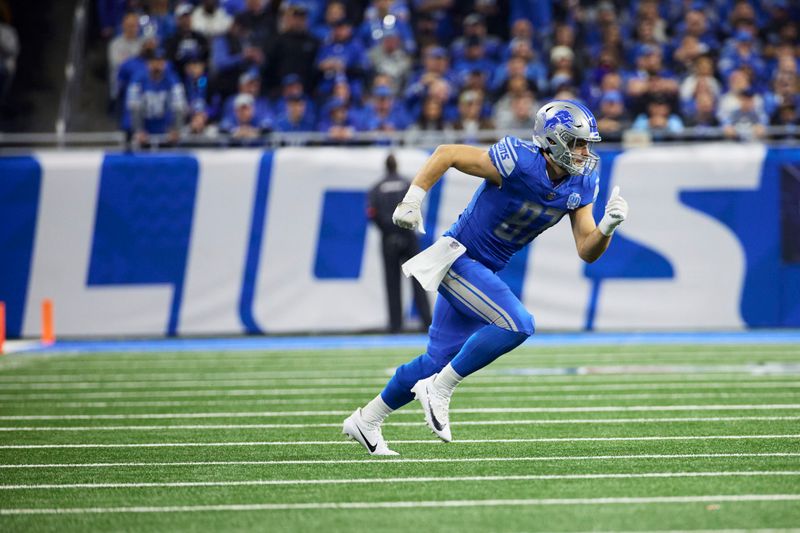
{"x": 246, "y": 67}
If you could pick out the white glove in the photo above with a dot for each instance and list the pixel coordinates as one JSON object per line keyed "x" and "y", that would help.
{"x": 408, "y": 213}
{"x": 616, "y": 212}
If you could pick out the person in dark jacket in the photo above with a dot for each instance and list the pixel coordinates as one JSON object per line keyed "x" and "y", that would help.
{"x": 294, "y": 50}
{"x": 399, "y": 245}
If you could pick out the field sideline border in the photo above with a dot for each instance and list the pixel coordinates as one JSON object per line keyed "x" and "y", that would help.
{"x": 340, "y": 342}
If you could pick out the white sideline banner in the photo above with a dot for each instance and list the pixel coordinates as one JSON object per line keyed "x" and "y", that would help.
{"x": 238, "y": 241}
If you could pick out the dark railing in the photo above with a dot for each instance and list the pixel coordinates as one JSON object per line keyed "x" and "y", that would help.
{"x": 72, "y": 71}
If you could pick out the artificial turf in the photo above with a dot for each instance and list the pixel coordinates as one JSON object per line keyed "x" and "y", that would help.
{"x": 551, "y": 438}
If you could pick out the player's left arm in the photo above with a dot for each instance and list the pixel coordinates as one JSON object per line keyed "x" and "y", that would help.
{"x": 593, "y": 239}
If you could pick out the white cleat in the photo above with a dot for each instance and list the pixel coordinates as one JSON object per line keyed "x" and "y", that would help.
{"x": 436, "y": 407}
{"x": 366, "y": 434}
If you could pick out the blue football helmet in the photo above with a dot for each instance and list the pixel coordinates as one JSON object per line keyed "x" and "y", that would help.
{"x": 562, "y": 128}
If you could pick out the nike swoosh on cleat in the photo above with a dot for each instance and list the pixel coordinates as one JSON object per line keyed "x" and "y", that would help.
{"x": 371, "y": 447}
{"x": 436, "y": 423}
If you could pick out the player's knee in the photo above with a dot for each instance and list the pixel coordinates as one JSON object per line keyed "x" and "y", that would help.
{"x": 525, "y": 324}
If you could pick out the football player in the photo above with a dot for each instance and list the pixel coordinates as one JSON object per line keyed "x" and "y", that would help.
{"x": 528, "y": 187}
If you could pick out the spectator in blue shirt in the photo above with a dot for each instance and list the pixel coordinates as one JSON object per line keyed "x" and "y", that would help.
{"x": 695, "y": 23}
{"x": 439, "y": 14}
{"x": 521, "y": 62}
{"x": 742, "y": 54}
{"x": 435, "y": 69}
{"x": 338, "y": 121}
{"x": 246, "y": 127}
{"x": 608, "y": 61}
{"x": 296, "y": 116}
{"x": 744, "y": 118}
{"x": 475, "y": 58}
{"x": 249, "y": 83}
{"x": 195, "y": 82}
{"x": 435, "y": 65}
{"x": 347, "y": 91}
{"x": 538, "y": 13}
{"x": 521, "y": 30}
{"x": 593, "y": 28}
{"x": 156, "y": 101}
{"x": 385, "y": 15}
{"x": 133, "y": 68}
{"x": 612, "y": 118}
{"x": 703, "y": 113}
{"x": 784, "y": 58}
{"x": 659, "y": 118}
{"x": 784, "y": 91}
{"x": 475, "y": 29}
{"x": 291, "y": 87}
{"x": 341, "y": 54}
{"x": 160, "y": 18}
{"x": 383, "y": 113}
{"x": 334, "y": 11}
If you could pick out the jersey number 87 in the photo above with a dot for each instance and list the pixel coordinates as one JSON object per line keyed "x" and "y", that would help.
{"x": 529, "y": 221}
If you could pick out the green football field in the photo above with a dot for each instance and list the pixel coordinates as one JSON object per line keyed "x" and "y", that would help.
{"x": 548, "y": 438}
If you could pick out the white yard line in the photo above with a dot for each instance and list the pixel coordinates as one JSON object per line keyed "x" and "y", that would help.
{"x": 537, "y": 374}
{"x": 359, "y": 481}
{"x": 57, "y": 381}
{"x": 384, "y": 460}
{"x": 466, "y": 392}
{"x": 476, "y": 410}
{"x": 352, "y": 377}
{"x": 562, "y": 421}
{"x": 429, "y": 441}
{"x": 270, "y": 384}
{"x": 411, "y": 504}
{"x": 237, "y": 402}
{"x": 680, "y": 362}
{"x": 359, "y": 392}
{"x": 186, "y": 403}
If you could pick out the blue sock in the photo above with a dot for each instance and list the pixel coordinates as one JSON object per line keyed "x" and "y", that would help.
{"x": 397, "y": 392}
{"x": 484, "y": 346}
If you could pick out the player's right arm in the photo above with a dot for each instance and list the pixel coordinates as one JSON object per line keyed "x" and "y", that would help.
{"x": 467, "y": 159}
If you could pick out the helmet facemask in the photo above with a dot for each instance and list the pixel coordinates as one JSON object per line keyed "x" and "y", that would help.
{"x": 576, "y": 155}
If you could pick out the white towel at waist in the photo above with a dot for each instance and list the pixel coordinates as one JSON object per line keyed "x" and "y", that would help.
{"x": 430, "y": 265}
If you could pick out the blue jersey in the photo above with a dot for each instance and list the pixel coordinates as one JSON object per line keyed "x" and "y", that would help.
{"x": 157, "y": 100}
{"x": 499, "y": 221}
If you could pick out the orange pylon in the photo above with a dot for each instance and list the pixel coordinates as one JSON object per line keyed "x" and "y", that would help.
{"x": 48, "y": 326}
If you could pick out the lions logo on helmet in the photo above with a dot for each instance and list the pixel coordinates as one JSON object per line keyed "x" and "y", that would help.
{"x": 566, "y": 130}
{"x": 561, "y": 116}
